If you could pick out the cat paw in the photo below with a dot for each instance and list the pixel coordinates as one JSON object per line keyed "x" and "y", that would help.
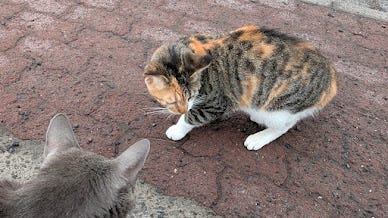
{"x": 175, "y": 133}
{"x": 253, "y": 142}
{"x": 259, "y": 139}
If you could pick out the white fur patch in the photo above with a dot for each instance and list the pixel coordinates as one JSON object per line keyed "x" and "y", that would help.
{"x": 191, "y": 103}
{"x": 179, "y": 130}
{"x": 278, "y": 119}
{"x": 277, "y": 122}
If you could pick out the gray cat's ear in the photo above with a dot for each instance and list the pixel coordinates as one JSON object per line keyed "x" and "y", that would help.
{"x": 59, "y": 136}
{"x": 193, "y": 62}
{"x": 131, "y": 161}
{"x": 9, "y": 184}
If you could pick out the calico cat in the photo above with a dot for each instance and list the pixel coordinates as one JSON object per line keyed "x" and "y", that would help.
{"x": 74, "y": 183}
{"x": 276, "y": 79}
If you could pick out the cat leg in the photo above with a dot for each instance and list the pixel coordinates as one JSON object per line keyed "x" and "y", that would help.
{"x": 179, "y": 130}
{"x": 197, "y": 116}
{"x": 277, "y": 122}
{"x": 259, "y": 139}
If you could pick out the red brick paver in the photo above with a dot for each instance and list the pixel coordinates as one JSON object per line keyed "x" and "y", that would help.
{"x": 86, "y": 57}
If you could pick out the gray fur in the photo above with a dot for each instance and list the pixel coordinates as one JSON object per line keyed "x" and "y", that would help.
{"x": 73, "y": 182}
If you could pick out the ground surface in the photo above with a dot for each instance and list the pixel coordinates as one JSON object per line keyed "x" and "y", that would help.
{"x": 85, "y": 58}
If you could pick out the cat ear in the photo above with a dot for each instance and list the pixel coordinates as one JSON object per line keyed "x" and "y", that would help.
{"x": 194, "y": 62}
{"x": 131, "y": 161}
{"x": 59, "y": 136}
{"x": 157, "y": 82}
{"x": 9, "y": 184}
{"x": 153, "y": 75}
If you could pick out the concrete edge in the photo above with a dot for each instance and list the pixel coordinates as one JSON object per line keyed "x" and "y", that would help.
{"x": 351, "y": 8}
{"x": 362, "y": 11}
{"x": 326, "y": 3}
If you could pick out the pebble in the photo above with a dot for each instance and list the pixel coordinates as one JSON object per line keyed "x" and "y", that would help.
{"x": 11, "y": 149}
{"x": 336, "y": 195}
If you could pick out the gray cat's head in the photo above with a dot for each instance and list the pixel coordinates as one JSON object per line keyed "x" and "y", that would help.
{"x": 77, "y": 183}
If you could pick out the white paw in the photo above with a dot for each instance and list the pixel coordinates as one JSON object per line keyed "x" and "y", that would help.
{"x": 175, "y": 132}
{"x": 253, "y": 142}
{"x": 259, "y": 139}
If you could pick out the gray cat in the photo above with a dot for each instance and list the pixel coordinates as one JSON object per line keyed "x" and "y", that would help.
{"x": 73, "y": 182}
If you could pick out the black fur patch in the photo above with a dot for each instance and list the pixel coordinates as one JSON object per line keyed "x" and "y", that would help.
{"x": 235, "y": 35}
{"x": 201, "y": 38}
{"x": 173, "y": 55}
{"x": 275, "y": 34}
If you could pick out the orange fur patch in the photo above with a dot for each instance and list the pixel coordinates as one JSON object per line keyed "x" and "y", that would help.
{"x": 275, "y": 92}
{"x": 167, "y": 93}
{"x": 304, "y": 45}
{"x": 329, "y": 94}
{"x": 250, "y": 34}
{"x": 200, "y": 48}
{"x": 197, "y": 47}
{"x": 246, "y": 29}
{"x": 264, "y": 49}
{"x": 250, "y": 86}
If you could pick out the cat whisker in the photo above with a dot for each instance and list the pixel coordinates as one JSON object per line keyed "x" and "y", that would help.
{"x": 153, "y": 108}
{"x": 157, "y": 110}
{"x": 169, "y": 116}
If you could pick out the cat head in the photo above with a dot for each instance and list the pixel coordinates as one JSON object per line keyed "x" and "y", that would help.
{"x": 171, "y": 75}
{"x": 76, "y": 183}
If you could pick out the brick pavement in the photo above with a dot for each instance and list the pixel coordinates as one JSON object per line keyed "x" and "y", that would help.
{"x": 85, "y": 58}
